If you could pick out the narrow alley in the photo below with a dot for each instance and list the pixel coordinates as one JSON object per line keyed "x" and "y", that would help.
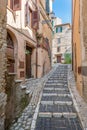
{"x": 43, "y": 65}
{"x": 56, "y": 110}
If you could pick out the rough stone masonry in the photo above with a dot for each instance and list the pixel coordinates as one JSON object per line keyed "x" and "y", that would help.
{"x": 2, "y": 61}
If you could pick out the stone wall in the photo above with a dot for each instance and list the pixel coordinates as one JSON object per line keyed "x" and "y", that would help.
{"x": 77, "y": 58}
{"x": 17, "y": 99}
{"x": 2, "y": 62}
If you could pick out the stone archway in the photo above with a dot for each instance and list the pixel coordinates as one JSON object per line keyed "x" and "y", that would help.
{"x": 10, "y": 77}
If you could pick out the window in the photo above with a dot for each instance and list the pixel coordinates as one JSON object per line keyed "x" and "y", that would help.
{"x": 58, "y": 49}
{"x": 35, "y": 19}
{"x": 47, "y": 6}
{"x": 59, "y": 40}
{"x": 11, "y": 4}
{"x": 58, "y": 29}
{"x": 28, "y": 15}
{"x": 52, "y": 23}
{"x": 14, "y": 4}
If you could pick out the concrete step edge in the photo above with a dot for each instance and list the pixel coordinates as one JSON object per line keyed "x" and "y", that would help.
{"x": 64, "y": 114}
{"x": 56, "y": 102}
{"x": 55, "y": 94}
{"x": 62, "y": 89}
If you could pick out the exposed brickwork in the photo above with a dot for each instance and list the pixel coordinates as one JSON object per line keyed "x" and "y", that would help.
{"x": 2, "y": 62}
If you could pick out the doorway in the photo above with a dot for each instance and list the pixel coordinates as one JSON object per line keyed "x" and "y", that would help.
{"x": 28, "y": 61}
{"x": 58, "y": 59}
{"x": 10, "y": 54}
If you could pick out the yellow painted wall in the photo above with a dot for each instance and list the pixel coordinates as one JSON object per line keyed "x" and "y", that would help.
{"x": 77, "y": 44}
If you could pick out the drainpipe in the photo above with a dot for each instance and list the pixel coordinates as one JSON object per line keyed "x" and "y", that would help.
{"x": 36, "y": 51}
{"x": 72, "y": 32}
{"x": 36, "y": 56}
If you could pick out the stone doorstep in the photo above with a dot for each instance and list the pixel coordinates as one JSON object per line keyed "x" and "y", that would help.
{"x": 66, "y": 89}
{"x": 56, "y": 102}
{"x": 23, "y": 87}
{"x": 50, "y": 114}
{"x": 55, "y": 94}
{"x": 28, "y": 92}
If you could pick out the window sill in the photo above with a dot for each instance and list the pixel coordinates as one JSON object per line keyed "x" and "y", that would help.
{"x": 12, "y": 73}
{"x": 18, "y": 81}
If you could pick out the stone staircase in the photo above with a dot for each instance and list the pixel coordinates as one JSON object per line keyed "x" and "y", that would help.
{"x": 56, "y": 110}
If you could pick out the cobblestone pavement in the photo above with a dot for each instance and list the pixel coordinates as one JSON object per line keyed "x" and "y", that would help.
{"x": 56, "y": 109}
{"x": 32, "y": 87}
{"x": 51, "y": 106}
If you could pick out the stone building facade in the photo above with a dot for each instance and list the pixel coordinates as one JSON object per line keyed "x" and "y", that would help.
{"x": 80, "y": 45}
{"x": 25, "y": 26}
{"x": 28, "y": 51}
{"x": 61, "y": 43}
{"x": 44, "y": 40}
{"x": 3, "y": 96}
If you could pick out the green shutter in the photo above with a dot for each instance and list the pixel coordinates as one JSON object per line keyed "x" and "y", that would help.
{"x": 60, "y": 29}
{"x": 52, "y": 23}
{"x": 56, "y": 29}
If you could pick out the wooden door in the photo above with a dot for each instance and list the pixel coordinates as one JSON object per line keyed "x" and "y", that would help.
{"x": 28, "y": 62}
{"x": 58, "y": 59}
{"x": 10, "y": 54}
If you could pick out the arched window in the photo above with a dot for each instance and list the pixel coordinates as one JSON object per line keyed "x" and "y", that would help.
{"x": 10, "y": 54}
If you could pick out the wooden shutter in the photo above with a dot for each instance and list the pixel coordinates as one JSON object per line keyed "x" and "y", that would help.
{"x": 35, "y": 20}
{"x": 16, "y": 5}
{"x": 27, "y": 15}
{"x": 11, "y": 4}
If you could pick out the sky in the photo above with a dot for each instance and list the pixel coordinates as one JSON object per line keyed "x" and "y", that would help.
{"x": 62, "y": 9}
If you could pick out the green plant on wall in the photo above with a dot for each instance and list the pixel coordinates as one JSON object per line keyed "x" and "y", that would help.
{"x": 67, "y": 58}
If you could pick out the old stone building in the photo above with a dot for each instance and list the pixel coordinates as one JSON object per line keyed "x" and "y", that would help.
{"x": 44, "y": 38}
{"x": 61, "y": 44}
{"x": 21, "y": 38}
{"x": 25, "y": 26}
{"x": 28, "y": 50}
{"x": 2, "y": 62}
{"x": 80, "y": 45}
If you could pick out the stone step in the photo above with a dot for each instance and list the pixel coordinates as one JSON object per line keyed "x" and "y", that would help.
{"x": 51, "y": 115}
{"x": 59, "y": 91}
{"x": 56, "y": 102}
{"x": 57, "y": 108}
{"x": 58, "y": 81}
{"x": 56, "y": 98}
{"x": 57, "y": 123}
{"x": 56, "y": 89}
{"x": 58, "y": 77}
{"x": 59, "y": 84}
{"x": 56, "y": 94}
